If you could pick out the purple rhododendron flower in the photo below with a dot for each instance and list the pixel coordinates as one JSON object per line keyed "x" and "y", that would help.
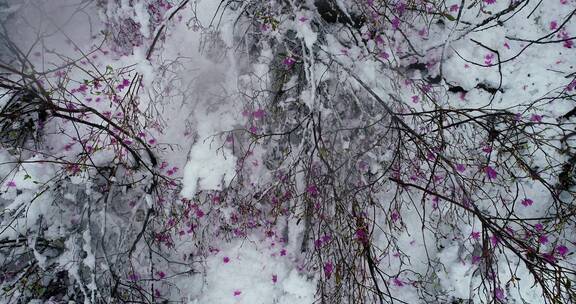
{"x": 490, "y": 172}
{"x": 494, "y": 240}
{"x": 527, "y": 202}
{"x": 460, "y": 168}
{"x": 536, "y": 118}
{"x": 362, "y": 235}
{"x": 289, "y": 62}
{"x": 553, "y": 25}
{"x": 312, "y": 190}
{"x": 398, "y": 282}
{"x": 328, "y": 269}
{"x": 549, "y": 257}
{"x": 499, "y": 292}
{"x": 395, "y": 216}
{"x": 562, "y": 250}
{"x": 258, "y": 114}
{"x": 133, "y": 277}
{"x": 395, "y": 23}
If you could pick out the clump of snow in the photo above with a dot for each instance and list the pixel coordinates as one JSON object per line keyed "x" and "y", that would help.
{"x": 208, "y": 168}
{"x": 252, "y": 272}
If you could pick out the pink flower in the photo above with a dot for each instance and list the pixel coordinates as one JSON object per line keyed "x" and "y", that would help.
{"x": 476, "y": 259}
{"x": 527, "y": 202}
{"x": 312, "y": 190}
{"x": 398, "y": 282}
{"x": 460, "y": 168}
{"x": 226, "y": 260}
{"x": 494, "y": 240}
{"x": 549, "y": 257}
{"x": 401, "y": 8}
{"x": 488, "y": 59}
{"x": 536, "y": 118}
{"x": 543, "y": 239}
{"x": 161, "y": 275}
{"x": 283, "y": 252}
{"x": 568, "y": 42}
{"x": 489, "y": 1}
{"x": 384, "y": 55}
{"x": 11, "y": 184}
{"x": 454, "y": 7}
{"x": 539, "y": 227}
{"x": 133, "y": 277}
{"x": 415, "y": 98}
{"x": 258, "y": 114}
{"x": 487, "y": 149}
{"x": 274, "y": 278}
{"x": 498, "y": 292}
{"x": 82, "y": 88}
{"x": 395, "y": 216}
{"x": 475, "y": 235}
{"x": 490, "y": 172}
{"x": 562, "y": 250}
{"x": 423, "y": 32}
{"x": 303, "y": 19}
{"x": 328, "y": 269}
{"x": 553, "y": 25}
{"x": 362, "y": 235}
{"x": 435, "y": 202}
{"x": 163, "y": 165}
{"x": 395, "y": 23}
{"x": 289, "y": 62}
{"x": 237, "y": 293}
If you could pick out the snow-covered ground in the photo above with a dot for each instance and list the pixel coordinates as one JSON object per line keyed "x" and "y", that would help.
{"x": 194, "y": 83}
